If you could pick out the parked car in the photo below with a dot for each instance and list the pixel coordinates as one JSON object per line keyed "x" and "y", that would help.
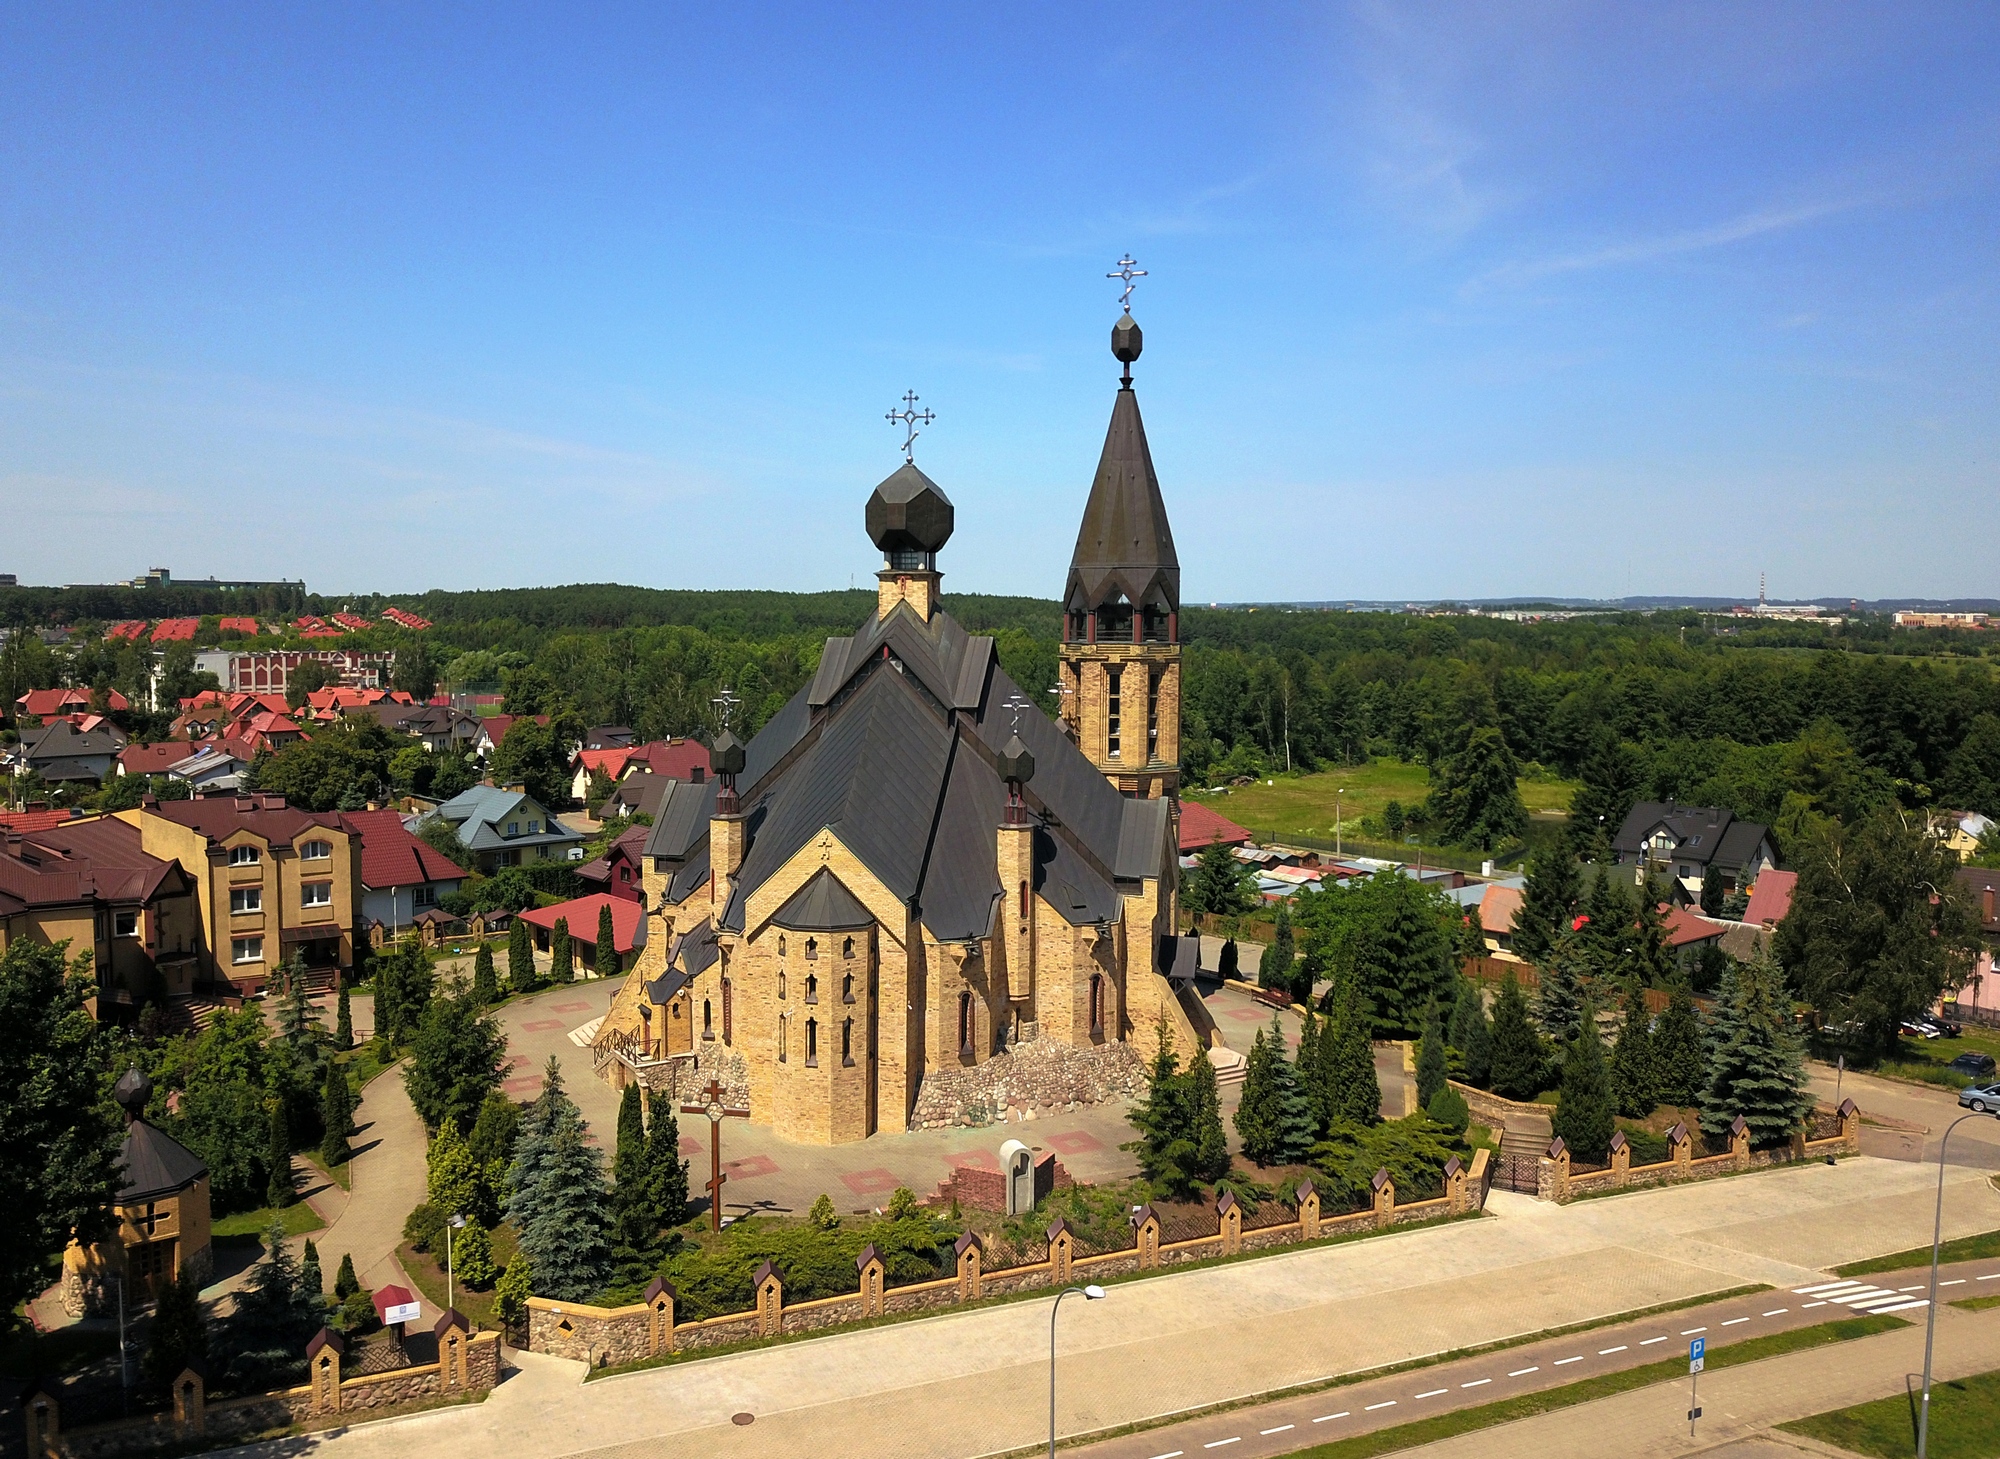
{"x": 1945, "y": 1027}
{"x": 1916, "y": 1028}
{"x": 1979, "y": 1066}
{"x": 1979, "y": 1098}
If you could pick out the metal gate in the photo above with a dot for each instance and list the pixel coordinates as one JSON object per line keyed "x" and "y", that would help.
{"x": 1517, "y": 1173}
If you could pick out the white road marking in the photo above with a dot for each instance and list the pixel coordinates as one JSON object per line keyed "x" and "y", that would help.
{"x": 1903, "y": 1306}
{"x": 1577, "y": 1359}
{"x": 1822, "y": 1287}
{"x": 1812, "y": 1304}
{"x": 1651, "y": 1340}
{"x": 1607, "y": 1352}
{"x": 1281, "y": 1428}
{"x": 1329, "y": 1417}
{"x": 1777, "y": 1312}
{"x": 1875, "y": 1304}
{"x": 1476, "y": 1383}
{"x": 1954, "y": 1282}
{"x": 1989, "y": 1277}
{"x": 1522, "y": 1372}
{"x": 1691, "y": 1331}
{"x": 1434, "y": 1393}
{"x": 1917, "y": 1288}
{"x": 1223, "y": 1443}
{"x": 1373, "y": 1406}
{"x": 1734, "y": 1320}
{"x": 1175, "y": 1454}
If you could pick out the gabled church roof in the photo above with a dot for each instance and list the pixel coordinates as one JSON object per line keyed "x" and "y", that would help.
{"x": 1125, "y": 544}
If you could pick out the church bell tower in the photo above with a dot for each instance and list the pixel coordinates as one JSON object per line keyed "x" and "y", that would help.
{"x": 1121, "y": 653}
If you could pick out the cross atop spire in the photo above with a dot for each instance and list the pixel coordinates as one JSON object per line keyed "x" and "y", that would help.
{"x": 1126, "y": 272}
{"x": 910, "y": 417}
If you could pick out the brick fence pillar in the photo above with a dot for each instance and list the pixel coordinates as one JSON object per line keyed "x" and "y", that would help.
{"x": 44, "y": 1416}
{"x": 190, "y": 1403}
{"x": 1850, "y": 1126}
{"x": 970, "y": 1256}
{"x": 660, "y": 1299}
{"x": 1454, "y": 1186}
{"x": 1621, "y": 1159}
{"x": 1739, "y": 1142}
{"x": 323, "y": 1369}
{"x": 1308, "y": 1211}
{"x": 454, "y": 1337}
{"x": 1146, "y": 1237}
{"x": 770, "y": 1290}
{"x": 1229, "y": 1223}
{"x": 1680, "y": 1150}
{"x": 868, "y": 1266}
{"x": 1552, "y": 1174}
{"x": 1062, "y": 1252}
{"x": 1384, "y": 1187}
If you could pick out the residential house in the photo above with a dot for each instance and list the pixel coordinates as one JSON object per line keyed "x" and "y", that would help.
{"x": 682, "y": 759}
{"x": 618, "y": 871}
{"x": 401, "y": 875}
{"x": 1692, "y": 844}
{"x": 273, "y": 881}
{"x": 1978, "y": 1000}
{"x": 1770, "y": 898}
{"x": 628, "y": 928}
{"x": 1499, "y": 910}
{"x": 89, "y": 882}
{"x": 1202, "y": 827}
{"x": 609, "y": 737}
{"x": 508, "y": 827}
{"x": 440, "y": 727}
{"x": 493, "y": 731}
{"x": 48, "y": 703}
{"x": 60, "y": 752}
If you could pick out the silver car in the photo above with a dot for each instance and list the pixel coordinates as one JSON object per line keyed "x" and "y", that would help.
{"x": 1979, "y": 1098}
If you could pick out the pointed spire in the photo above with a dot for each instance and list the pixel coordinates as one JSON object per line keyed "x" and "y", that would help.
{"x": 1125, "y": 544}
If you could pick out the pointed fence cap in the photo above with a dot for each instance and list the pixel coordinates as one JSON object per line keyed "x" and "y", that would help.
{"x": 1557, "y": 1149}
{"x": 1677, "y": 1133}
{"x": 1380, "y": 1179}
{"x": 1848, "y": 1107}
{"x": 869, "y": 1257}
{"x": 969, "y": 1241}
{"x": 765, "y": 1272}
{"x": 1226, "y": 1203}
{"x": 452, "y": 1318}
{"x": 1618, "y": 1140}
{"x": 1738, "y": 1126}
{"x": 1305, "y": 1190}
{"x": 326, "y": 1337}
{"x": 1452, "y": 1167}
{"x": 1142, "y": 1214}
{"x": 1059, "y": 1227}
{"x": 659, "y": 1286}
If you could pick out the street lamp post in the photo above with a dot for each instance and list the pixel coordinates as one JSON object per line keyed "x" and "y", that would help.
{"x": 1089, "y": 1294}
{"x": 1930, "y": 1312}
{"x": 456, "y": 1223}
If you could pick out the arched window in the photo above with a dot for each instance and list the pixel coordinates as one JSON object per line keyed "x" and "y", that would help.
{"x": 781, "y": 944}
{"x": 781, "y": 980}
{"x": 1024, "y": 901}
{"x": 728, "y": 1014}
{"x": 847, "y": 989}
{"x": 812, "y": 988}
{"x": 1097, "y": 1003}
{"x": 812, "y": 948}
{"x": 965, "y": 1023}
{"x": 782, "y": 1021}
{"x": 812, "y": 1043}
{"x": 847, "y": 948}
{"x": 847, "y": 1042}
{"x": 707, "y": 1019}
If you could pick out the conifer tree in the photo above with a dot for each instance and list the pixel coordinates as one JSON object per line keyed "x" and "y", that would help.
{"x": 666, "y": 1171}
{"x": 485, "y": 982}
{"x": 605, "y": 960}
{"x": 1517, "y": 1050}
{"x": 336, "y": 1112}
{"x": 1632, "y": 1073}
{"x": 521, "y": 976}
{"x": 1227, "y": 968}
{"x": 309, "y": 1273}
{"x": 511, "y": 1292}
{"x": 295, "y": 1010}
{"x": 1652, "y": 959}
{"x": 1221, "y": 886}
{"x": 568, "y": 1240}
{"x": 343, "y": 1027}
{"x": 472, "y": 1256}
{"x": 1307, "y": 1074}
{"x": 1401, "y": 955}
{"x": 1471, "y": 1034}
{"x": 1547, "y": 902}
{"x": 1353, "y": 1093}
{"x": 451, "y": 1181}
{"x": 180, "y": 1332}
{"x": 1432, "y": 1067}
{"x": 1256, "y": 1120}
{"x": 524, "y": 1181}
{"x": 633, "y": 1219}
{"x": 1584, "y": 1117}
{"x": 562, "y": 958}
{"x": 1756, "y": 1068}
{"x": 1559, "y": 1001}
{"x": 1211, "y": 1146}
{"x": 1274, "y": 969}
{"x": 1679, "y": 1066}
{"x": 1179, "y": 1120}
{"x": 1611, "y": 916}
{"x": 1297, "y": 1131}
{"x": 345, "y": 1283}
{"x": 280, "y": 1191}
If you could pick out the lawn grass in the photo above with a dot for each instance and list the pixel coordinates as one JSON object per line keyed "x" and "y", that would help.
{"x": 299, "y": 1218}
{"x": 1302, "y": 807}
{"x": 1977, "y": 1304}
{"x": 1965, "y": 1422}
{"x": 1928, "y": 1060}
{"x": 341, "y": 1175}
{"x": 1605, "y": 1385}
{"x": 1965, "y": 1248}
{"x": 26, "y": 1353}
{"x": 427, "y": 1271}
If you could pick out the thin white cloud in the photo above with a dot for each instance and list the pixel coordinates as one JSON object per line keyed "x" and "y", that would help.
{"x": 1647, "y": 250}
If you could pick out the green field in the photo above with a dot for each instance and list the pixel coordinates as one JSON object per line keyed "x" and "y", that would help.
{"x": 300, "y": 1220}
{"x": 1302, "y": 807}
{"x": 1965, "y": 1422}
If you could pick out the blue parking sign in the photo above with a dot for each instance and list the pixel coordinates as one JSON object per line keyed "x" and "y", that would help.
{"x": 1697, "y": 1354}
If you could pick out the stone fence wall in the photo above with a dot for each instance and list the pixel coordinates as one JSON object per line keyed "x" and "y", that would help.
{"x": 614, "y": 1336}
{"x": 1557, "y": 1182}
{"x": 468, "y": 1364}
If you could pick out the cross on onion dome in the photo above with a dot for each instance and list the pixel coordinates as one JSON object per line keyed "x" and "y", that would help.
{"x": 909, "y": 417}
{"x": 1126, "y": 272}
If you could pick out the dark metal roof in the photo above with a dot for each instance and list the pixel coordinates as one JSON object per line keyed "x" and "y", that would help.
{"x": 1141, "y": 837}
{"x": 155, "y": 1164}
{"x": 1125, "y": 544}
{"x": 1702, "y": 834}
{"x": 664, "y": 988}
{"x": 1179, "y": 957}
{"x": 909, "y": 511}
{"x": 823, "y": 905}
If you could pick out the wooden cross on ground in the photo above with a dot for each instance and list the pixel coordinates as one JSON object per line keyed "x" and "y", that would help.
{"x": 716, "y": 1112}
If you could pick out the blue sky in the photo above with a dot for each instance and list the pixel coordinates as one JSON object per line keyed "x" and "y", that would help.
{"x": 1443, "y": 300}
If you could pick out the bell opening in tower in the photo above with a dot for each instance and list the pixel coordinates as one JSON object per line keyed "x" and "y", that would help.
{"x": 1112, "y": 714}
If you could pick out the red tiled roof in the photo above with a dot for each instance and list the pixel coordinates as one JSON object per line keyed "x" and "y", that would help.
{"x": 1498, "y": 907}
{"x": 497, "y": 725}
{"x": 154, "y": 759}
{"x": 406, "y": 619}
{"x": 1684, "y": 927}
{"x": 175, "y": 630}
{"x": 1770, "y": 898}
{"x": 133, "y": 629}
{"x": 33, "y": 820}
{"x": 352, "y": 620}
{"x": 240, "y": 625}
{"x": 47, "y": 703}
{"x": 583, "y": 913}
{"x": 1200, "y": 827}
{"x": 391, "y": 856}
{"x": 218, "y": 816}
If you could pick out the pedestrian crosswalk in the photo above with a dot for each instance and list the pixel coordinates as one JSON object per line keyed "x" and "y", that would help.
{"x": 1861, "y": 1297}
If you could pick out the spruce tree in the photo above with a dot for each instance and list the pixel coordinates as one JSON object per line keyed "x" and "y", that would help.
{"x": 451, "y": 1180}
{"x": 511, "y": 1292}
{"x": 1221, "y": 886}
{"x": 1679, "y": 1065}
{"x": 179, "y": 1335}
{"x": 1652, "y": 959}
{"x": 1632, "y": 1073}
{"x": 562, "y": 958}
{"x": 568, "y": 1240}
{"x": 1292, "y": 1112}
{"x": 1211, "y": 1146}
{"x": 485, "y": 982}
{"x": 604, "y": 962}
{"x": 345, "y": 1283}
{"x": 521, "y": 976}
{"x": 280, "y": 1191}
{"x": 295, "y": 1010}
{"x": 1611, "y": 916}
{"x": 343, "y": 1027}
{"x": 1256, "y": 1121}
{"x": 1756, "y": 1068}
{"x": 1547, "y": 902}
{"x": 1559, "y": 1001}
{"x": 1584, "y": 1117}
{"x": 1471, "y": 1034}
{"x": 1307, "y": 1073}
{"x": 1353, "y": 1092}
{"x": 1402, "y": 956}
{"x": 1517, "y": 1049}
{"x": 336, "y": 1112}
{"x": 666, "y": 1171}
{"x": 634, "y": 1222}
{"x": 1432, "y": 1067}
{"x": 1274, "y": 969}
{"x": 309, "y": 1273}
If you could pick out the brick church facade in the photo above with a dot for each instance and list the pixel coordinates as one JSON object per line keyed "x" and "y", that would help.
{"x": 912, "y": 867}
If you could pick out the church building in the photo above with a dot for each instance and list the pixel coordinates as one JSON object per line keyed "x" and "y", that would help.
{"x": 912, "y": 866}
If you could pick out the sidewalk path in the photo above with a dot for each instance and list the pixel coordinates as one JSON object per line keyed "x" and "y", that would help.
{"x": 975, "y": 1382}
{"x": 387, "y": 1179}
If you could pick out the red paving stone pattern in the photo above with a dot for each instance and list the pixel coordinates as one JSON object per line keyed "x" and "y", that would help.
{"x": 1076, "y": 1142}
{"x": 567, "y": 1008}
{"x": 870, "y": 1182}
{"x": 541, "y": 1025}
{"x": 532, "y": 1084}
{"x": 750, "y": 1166}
